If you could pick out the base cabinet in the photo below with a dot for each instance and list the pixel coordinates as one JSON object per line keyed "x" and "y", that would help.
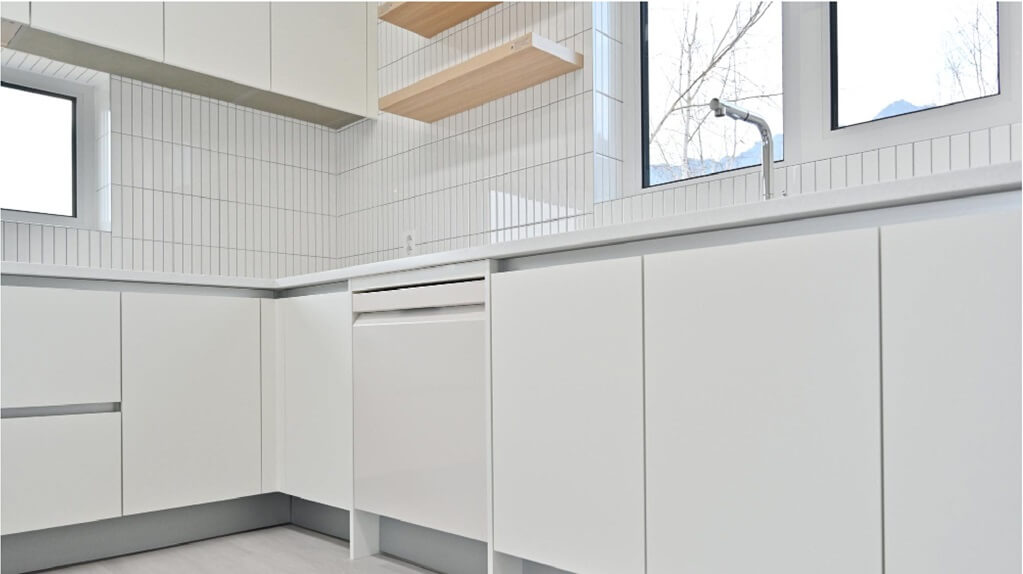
{"x": 191, "y": 399}
{"x": 315, "y": 359}
{"x": 763, "y": 431}
{"x": 567, "y": 363}
{"x": 59, "y": 470}
{"x": 951, "y": 346}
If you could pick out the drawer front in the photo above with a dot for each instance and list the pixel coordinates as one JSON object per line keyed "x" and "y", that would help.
{"x": 59, "y": 346}
{"x": 420, "y": 419}
{"x": 60, "y": 470}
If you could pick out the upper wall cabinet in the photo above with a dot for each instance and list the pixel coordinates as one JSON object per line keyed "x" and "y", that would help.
{"x": 133, "y": 27}
{"x": 319, "y": 53}
{"x": 15, "y": 11}
{"x": 950, "y": 292}
{"x": 311, "y": 61}
{"x": 228, "y": 40}
{"x": 60, "y": 347}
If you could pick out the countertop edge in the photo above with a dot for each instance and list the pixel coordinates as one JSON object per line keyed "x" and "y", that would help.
{"x": 974, "y": 181}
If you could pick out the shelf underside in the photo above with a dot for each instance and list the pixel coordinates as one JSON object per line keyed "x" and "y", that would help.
{"x": 519, "y": 64}
{"x": 430, "y": 18}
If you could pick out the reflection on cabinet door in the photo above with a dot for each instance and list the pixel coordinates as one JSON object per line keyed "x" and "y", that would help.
{"x": 568, "y": 415}
{"x": 763, "y": 407}
{"x": 316, "y": 359}
{"x": 59, "y": 346}
{"x": 191, "y": 407}
{"x": 60, "y": 470}
{"x": 951, "y": 318}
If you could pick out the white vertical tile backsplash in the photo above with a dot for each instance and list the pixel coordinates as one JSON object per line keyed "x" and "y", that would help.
{"x": 191, "y": 191}
{"x": 520, "y": 166}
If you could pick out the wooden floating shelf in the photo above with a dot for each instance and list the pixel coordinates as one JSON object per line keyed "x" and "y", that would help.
{"x": 517, "y": 65}
{"x": 429, "y": 18}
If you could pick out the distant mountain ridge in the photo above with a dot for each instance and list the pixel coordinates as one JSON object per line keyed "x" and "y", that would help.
{"x": 899, "y": 107}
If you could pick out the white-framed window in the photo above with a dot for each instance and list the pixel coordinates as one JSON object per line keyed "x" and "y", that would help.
{"x": 37, "y": 151}
{"x": 809, "y": 118}
{"x": 55, "y": 161}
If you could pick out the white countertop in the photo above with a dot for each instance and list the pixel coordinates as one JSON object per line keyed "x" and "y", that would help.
{"x": 990, "y": 179}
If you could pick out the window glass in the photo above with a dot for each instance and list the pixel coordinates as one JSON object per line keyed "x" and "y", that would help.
{"x": 37, "y": 151}
{"x": 910, "y": 57}
{"x": 697, "y": 51}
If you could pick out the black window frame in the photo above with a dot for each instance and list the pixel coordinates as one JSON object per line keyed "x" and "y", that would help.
{"x": 74, "y": 146}
{"x": 833, "y": 71}
{"x": 644, "y": 73}
{"x": 644, "y": 95}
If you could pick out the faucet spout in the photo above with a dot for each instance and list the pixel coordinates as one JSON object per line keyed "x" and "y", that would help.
{"x": 722, "y": 109}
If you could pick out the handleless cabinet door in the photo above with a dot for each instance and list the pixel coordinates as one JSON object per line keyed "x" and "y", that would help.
{"x": 763, "y": 410}
{"x": 319, "y": 53}
{"x": 60, "y": 470}
{"x": 59, "y": 346}
{"x": 951, "y": 331}
{"x": 420, "y": 418}
{"x": 132, "y": 27}
{"x": 316, "y": 346}
{"x": 229, "y": 40}
{"x": 15, "y": 11}
{"x": 191, "y": 407}
{"x": 567, "y": 348}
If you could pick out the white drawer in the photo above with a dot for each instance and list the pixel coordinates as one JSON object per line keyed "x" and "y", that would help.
{"x": 59, "y": 470}
{"x": 59, "y": 346}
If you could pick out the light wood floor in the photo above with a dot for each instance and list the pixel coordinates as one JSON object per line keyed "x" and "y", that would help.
{"x": 283, "y": 549}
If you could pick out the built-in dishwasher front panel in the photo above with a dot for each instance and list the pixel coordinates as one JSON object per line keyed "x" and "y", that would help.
{"x": 420, "y": 406}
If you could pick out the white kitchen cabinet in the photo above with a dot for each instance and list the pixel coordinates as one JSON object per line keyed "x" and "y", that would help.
{"x": 60, "y": 470}
{"x": 15, "y": 11}
{"x": 420, "y": 412}
{"x": 59, "y": 346}
{"x": 315, "y": 356}
{"x": 272, "y": 396}
{"x": 191, "y": 404}
{"x": 951, "y": 331}
{"x": 763, "y": 411}
{"x": 319, "y": 53}
{"x": 567, "y": 352}
{"x": 132, "y": 27}
{"x": 228, "y": 40}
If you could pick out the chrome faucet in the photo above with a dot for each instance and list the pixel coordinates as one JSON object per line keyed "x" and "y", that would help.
{"x": 722, "y": 109}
